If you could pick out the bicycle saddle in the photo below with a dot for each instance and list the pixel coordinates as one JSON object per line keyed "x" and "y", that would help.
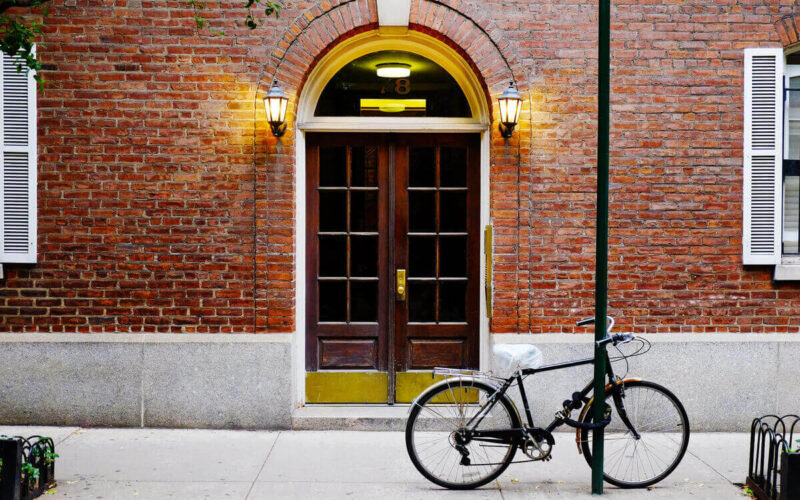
{"x": 509, "y": 357}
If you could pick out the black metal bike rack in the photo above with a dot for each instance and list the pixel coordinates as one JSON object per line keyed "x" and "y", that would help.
{"x": 39, "y": 453}
{"x": 774, "y": 471}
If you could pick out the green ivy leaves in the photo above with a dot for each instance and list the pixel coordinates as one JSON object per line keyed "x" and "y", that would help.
{"x": 16, "y": 39}
{"x": 250, "y": 21}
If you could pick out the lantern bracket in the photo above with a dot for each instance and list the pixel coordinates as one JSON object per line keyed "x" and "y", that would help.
{"x": 506, "y": 131}
{"x": 278, "y": 129}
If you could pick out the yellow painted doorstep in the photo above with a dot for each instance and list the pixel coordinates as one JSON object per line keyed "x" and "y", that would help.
{"x": 411, "y": 384}
{"x": 347, "y": 387}
{"x": 373, "y": 387}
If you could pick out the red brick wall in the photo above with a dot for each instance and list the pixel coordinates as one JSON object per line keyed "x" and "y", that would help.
{"x": 165, "y": 204}
{"x": 676, "y": 166}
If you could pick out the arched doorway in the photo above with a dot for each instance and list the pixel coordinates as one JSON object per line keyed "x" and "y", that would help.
{"x": 392, "y": 192}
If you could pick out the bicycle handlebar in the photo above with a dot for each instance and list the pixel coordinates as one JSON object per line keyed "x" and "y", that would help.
{"x": 615, "y": 339}
{"x": 588, "y": 321}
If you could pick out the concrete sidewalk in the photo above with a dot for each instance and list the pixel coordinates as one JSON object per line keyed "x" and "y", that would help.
{"x": 191, "y": 464}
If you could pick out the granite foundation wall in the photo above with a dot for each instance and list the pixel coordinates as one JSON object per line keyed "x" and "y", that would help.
{"x": 197, "y": 381}
{"x": 246, "y": 381}
{"x": 723, "y": 380}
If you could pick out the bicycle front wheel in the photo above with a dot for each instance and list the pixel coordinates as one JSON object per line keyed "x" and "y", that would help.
{"x": 659, "y": 418}
{"x": 438, "y": 423}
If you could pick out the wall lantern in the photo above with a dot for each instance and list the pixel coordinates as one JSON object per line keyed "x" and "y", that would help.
{"x": 276, "y": 103}
{"x": 394, "y": 70}
{"x": 510, "y": 104}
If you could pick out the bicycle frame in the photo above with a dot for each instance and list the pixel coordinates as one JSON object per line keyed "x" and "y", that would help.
{"x": 504, "y": 435}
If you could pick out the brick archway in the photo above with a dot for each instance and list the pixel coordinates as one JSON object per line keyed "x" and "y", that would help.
{"x": 788, "y": 28}
{"x": 483, "y": 46}
{"x": 460, "y": 24}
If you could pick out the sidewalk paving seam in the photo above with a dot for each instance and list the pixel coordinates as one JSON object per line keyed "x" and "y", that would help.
{"x": 712, "y": 468}
{"x": 258, "y": 474}
{"x": 65, "y": 438}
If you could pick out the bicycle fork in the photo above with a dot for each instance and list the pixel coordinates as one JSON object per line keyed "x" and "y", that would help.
{"x": 617, "y": 386}
{"x": 623, "y": 414}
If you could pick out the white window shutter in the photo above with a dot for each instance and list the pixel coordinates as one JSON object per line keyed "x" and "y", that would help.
{"x": 763, "y": 156}
{"x": 17, "y": 163}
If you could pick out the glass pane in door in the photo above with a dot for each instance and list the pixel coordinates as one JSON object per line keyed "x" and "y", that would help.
{"x": 437, "y": 235}
{"x": 348, "y": 234}
{"x": 364, "y": 166}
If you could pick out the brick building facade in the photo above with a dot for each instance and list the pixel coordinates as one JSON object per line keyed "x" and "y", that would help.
{"x": 165, "y": 205}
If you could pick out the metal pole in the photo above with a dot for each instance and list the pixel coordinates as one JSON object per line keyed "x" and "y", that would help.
{"x": 601, "y": 255}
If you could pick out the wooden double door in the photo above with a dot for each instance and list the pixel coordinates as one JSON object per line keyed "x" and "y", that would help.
{"x": 393, "y": 237}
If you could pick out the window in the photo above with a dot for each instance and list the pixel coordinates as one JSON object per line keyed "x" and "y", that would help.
{"x": 17, "y": 164}
{"x": 771, "y": 157}
{"x": 393, "y": 83}
{"x": 790, "y": 232}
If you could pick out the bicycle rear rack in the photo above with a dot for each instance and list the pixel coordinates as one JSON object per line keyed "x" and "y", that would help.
{"x": 462, "y": 372}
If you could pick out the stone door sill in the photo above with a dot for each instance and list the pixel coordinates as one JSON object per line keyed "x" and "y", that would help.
{"x": 327, "y": 417}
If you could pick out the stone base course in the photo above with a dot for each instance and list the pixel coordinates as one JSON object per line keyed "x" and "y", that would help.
{"x": 246, "y": 381}
{"x": 198, "y": 381}
{"x": 723, "y": 380}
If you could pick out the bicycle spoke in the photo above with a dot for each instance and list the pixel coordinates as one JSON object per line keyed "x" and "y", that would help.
{"x": 662, "y": 438}
{"x": 438, "y": 454}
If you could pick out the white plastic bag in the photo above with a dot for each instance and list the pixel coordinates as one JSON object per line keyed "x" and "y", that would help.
{"x": 509, "y": 357}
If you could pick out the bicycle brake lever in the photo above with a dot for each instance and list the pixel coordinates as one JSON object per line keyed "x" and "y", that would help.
{"x": 625, "y": 338}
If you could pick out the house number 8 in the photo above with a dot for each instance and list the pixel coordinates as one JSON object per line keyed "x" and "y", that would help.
{"x": 402, "y": 86}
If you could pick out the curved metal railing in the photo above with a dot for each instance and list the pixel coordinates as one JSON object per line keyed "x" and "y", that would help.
{"x": 770, "y": 436}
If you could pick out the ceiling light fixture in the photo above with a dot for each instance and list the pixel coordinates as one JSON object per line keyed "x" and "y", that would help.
{"x": 373, "y": 107}
{"x": 392, "y": 107}
{"x": 394, "y": 70}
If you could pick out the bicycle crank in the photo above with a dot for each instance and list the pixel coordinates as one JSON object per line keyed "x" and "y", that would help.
{"x": 538, "y": 444}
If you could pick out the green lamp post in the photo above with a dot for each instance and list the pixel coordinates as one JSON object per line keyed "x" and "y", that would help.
{"x": 601, "y": 253}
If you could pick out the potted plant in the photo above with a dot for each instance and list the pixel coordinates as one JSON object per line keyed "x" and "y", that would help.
{"x": 790, "y": 473}
{"x": 27, "y": 466}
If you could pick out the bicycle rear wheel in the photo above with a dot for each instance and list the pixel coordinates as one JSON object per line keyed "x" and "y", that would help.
{"x": 659, "y": 418}
{"x": 435, "y": 428}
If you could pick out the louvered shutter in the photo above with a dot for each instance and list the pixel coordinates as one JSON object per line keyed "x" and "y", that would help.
{"x": 763, "y": 157}
{"x": 17, "y": 163}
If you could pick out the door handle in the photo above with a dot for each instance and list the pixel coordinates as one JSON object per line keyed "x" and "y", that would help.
{"x": 401, "y": 285}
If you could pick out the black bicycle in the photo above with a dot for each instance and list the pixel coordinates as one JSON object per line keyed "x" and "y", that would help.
{"x": 464, "y": 431}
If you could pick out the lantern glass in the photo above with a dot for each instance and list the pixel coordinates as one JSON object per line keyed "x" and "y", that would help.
{"x": 510, "y": 103}
{"x": 509, "y": 110}
{"x": 276, "y": 109}
{"x": 275, "y": 104}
